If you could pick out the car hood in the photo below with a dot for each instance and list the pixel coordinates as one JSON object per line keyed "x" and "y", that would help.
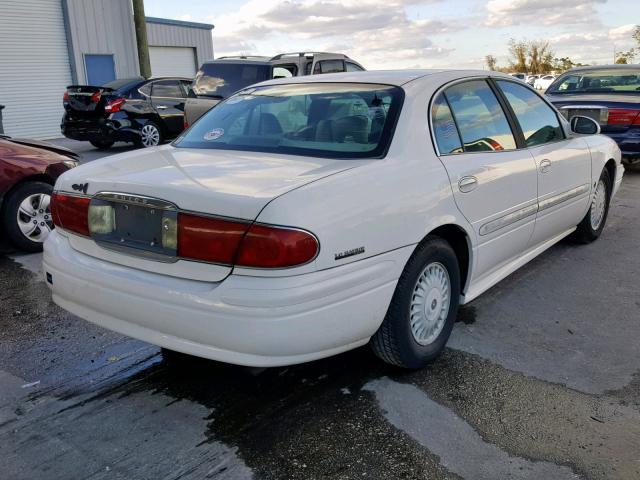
{"x": 218, "y": 182}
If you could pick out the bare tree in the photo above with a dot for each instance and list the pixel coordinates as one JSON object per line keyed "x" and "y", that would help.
{"x": 491, "y": 62}
{"x": 518, "y": 55}
{"x": 540, "y": 56}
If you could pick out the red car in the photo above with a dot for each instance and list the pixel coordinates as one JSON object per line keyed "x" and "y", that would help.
{"x": 28, "y": 171}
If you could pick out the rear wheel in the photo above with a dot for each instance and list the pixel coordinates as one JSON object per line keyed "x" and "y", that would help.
{"x": 102, "y": 144}
{"x": 150, "y": 135}
{"x": 423, "y": 308}
{"x": 593, "y": 222}
{"x": 26, "y": 215}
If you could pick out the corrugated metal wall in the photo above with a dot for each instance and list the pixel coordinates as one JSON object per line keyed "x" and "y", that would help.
{"x": 34, "y": 67}
{"x": 103, "y": 27}
{"x": 162, "y": 35}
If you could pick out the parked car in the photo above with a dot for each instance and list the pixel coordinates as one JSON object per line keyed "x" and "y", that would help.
{"x": 219, "y": 79}
{"x": 28, "y": 170}
{"x": 303, "y": 217}
{"x": 531, "y": 79}
{"x": 610, "y": 94}
{"x": 145, "y": 112}
{"x": 543, "y": 82}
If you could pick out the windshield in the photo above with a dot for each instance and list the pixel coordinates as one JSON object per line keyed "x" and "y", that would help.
{"x": 333, "y": 120}
{"x": 123, "y": 82}
{"x": 625, "y": 80}
{"x": 220, "y": 80}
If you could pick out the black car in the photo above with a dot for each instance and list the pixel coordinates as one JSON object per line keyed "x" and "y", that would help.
{"x": 609, "y": 94}
{"x": 137, "y": 110}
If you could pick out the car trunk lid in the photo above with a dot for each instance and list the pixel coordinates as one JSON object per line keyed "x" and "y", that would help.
{"x": 87, "y": 100}
{"x": 615, "y": 113}
{"x": 228, "y": 184}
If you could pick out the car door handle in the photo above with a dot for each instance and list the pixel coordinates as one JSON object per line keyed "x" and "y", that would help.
{"x": 545, "y": 165}
{"x": 467, "y": 184}
{"x": 162, "y": 107}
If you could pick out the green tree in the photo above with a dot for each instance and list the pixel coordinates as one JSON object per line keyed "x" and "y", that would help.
{"x": 625, "y": 57}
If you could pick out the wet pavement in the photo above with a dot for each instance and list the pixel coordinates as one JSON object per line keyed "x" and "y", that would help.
{"x": 540, "y": 381}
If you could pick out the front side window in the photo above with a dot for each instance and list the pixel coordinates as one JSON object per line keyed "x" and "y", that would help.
{"x": 444, "y": 128}
{"x": 538, "y": 121}
{"x": 481, "y": 121}
{"x": 333, "y": 120}
{"x": 352, "y": 67}
{"x": 329, "y": 66}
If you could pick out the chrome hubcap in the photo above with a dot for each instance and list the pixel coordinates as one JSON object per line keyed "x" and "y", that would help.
{"x": 34, "y": 217}
{"x": 150, "y": 136}
{"x": 598, "y": 205}
{"x": 430, "y": 303}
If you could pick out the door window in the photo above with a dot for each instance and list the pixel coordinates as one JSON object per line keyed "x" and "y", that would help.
{"x": 444, "y": 128}
{"x": 538, "y": 121}
{"x": 167, "y": 89}
{"x": 328, "y": 66}
{"x": 482, "y": 123}
{"x": 352, "y": 67}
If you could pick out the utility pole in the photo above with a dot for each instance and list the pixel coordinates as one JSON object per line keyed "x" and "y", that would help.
{"x": 141, "y": 38}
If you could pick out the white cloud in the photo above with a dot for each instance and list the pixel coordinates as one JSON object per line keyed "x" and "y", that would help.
{"x": 541, "y": 12}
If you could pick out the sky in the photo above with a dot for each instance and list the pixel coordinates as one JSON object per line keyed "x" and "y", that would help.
{"x": 383, "y": 34}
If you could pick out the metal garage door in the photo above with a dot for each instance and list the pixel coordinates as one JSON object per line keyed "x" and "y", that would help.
{"x": 34, "y": 67}
{"x": 172, "y": 61}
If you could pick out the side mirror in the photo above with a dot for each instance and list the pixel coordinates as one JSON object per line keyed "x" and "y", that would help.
{"x": 584, "y": 125}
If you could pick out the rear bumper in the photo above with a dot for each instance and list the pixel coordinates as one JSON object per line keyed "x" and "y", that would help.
{"x": 100, "y": 129}
{"x": 629, "y": 144}
{"x": 254, "y": 321}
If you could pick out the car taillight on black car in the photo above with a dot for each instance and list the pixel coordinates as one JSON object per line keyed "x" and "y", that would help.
{"x": 114, "y": 106}
{"x": 624, "y": 116}
{"x": 205, "y": 238}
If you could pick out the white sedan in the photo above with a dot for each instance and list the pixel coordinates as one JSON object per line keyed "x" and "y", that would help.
{"x": 303, "y": 217}
{"x": 543, "y": 82}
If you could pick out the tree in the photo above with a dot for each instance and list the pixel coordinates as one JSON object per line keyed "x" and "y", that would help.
{"x": 636, "y": 34}
{"x": 491, "y": 62}
{"x": 540, "y": 57}
{"x": 625, "y": 57}
{"x": 518, "y": 52}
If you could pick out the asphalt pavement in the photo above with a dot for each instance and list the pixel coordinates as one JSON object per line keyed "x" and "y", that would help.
{"x": 540, "y": 381}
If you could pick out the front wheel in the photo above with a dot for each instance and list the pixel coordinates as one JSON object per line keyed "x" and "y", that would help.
{"x": 26, "y": 215}
{"x": 423, "y": 308}
{"x": 150, "y": 135}
{"x": 591, "y": 226}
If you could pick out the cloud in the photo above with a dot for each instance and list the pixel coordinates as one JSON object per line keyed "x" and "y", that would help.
{"x": 541, "y": 12}
{"x": 377, "y": 32}
{"x": 594, "y": 46}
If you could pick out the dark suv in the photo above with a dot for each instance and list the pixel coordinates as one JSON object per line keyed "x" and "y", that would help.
{"x": 137, "y": 110}
{"x": 220, "y": 78}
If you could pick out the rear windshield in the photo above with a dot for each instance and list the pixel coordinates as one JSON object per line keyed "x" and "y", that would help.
{"x": 332, "y": 120}
{"x": 220, "y": 80}
{"x": 123, "y": 83}
{"x": 599, "y": 81}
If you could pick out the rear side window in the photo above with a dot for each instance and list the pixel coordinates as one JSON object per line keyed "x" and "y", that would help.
{"x": 538, "y": 121}
{"x": 221, "y": 80}
{"x": 167, "y": 89}
{"x": 328, "y": 66}
{"x": 444, "y": 127}
{"x": 331, "y": 120}
{"x": 482, "y": 123}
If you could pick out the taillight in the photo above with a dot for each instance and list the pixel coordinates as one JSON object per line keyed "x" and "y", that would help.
{"x": 70, "y": 212}
{"x": 265, "y": 246}
{"x": 185, "y": 124}
{"x": 209, "y": 239}
{"x": 65, "y": 96}
{"x": 95, "y": 98}
{"x": 236, "y": 242}
{"x": 114, "y": 105}
{"x": 623, "y": 116}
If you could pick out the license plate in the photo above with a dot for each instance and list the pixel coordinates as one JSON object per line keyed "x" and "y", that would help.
{"x": 138, "y": 227}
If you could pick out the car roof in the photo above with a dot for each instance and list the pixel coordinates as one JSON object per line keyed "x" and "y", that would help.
{"x": 245, "y": 60}
{"x": 384, "y": 77}
{"x": 611, "y": 66}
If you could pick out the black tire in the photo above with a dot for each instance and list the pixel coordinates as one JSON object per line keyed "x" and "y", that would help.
{"x": 394, "y": 341}
{"x": 9, "y": 214}
{"x": 141, "y": 142}
{"x": 585, "y": 231}
{"x": 102, "y": 144}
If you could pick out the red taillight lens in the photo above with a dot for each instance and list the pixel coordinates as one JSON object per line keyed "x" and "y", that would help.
{"x": 623, "y": 116}
{"x": 95, "y": 98}
{"x": 209, "y": 239}
{"x": 265, "y": 246}
{"x": 185, "y": 124}
{"x": 114, "y": 105}
{"x": 70, "y": 212}
{"x": 65, "y": 96}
